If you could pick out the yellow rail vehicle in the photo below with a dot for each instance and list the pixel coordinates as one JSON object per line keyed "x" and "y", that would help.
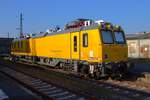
{"x": 97, "y": 50}
{"x": 22, "y": 47}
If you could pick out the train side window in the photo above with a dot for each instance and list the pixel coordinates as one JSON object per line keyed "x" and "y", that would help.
{"x": 85, "y": 40}
{"x": 75, "y": 43}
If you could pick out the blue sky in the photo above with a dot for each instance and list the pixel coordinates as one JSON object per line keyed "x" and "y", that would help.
{"x": 132, "y": 15}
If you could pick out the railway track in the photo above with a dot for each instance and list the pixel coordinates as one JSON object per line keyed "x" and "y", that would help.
{"x": 122, "y": 91}
{"x": 143, "y": 88}
{"x": 122, "y": 88}
{"x": 42, "y": 88}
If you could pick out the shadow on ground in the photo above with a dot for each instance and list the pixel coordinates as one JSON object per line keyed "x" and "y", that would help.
{"x": 141, "y": 70}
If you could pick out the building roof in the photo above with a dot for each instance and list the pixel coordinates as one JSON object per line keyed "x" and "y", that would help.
{"x": 144, "y": 35}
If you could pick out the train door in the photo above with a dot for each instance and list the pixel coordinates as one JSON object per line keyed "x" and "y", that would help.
{"x": 75, "y": 46}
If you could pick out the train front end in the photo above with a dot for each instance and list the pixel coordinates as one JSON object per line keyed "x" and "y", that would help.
{"x": 114, "y": 52}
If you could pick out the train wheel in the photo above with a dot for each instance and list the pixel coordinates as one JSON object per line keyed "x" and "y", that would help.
{"x": 97, "y": 75}
{"x": 85, "y": 69}
{"x": 116, "y": 77}
{"x": 61, "y": 65}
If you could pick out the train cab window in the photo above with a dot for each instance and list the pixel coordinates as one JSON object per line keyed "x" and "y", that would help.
{"x": 75, "y": 43}
{"x": 85, "y": 40}
{"x": 107, "y": 37}
{"x": 119, "y": 37}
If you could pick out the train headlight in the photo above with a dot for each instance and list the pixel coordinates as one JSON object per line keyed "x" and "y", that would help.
{"x": 117, "y": 27}
{"x": 109, "y": 26}
{"x": 106, "y": 25}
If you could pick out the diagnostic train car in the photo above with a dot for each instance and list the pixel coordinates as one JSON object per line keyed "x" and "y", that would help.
{"x": 95, "y": 49}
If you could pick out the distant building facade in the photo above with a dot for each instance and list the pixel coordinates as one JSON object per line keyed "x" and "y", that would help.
{"x": 138, "y": 45}
{"x": 5, "y": 46}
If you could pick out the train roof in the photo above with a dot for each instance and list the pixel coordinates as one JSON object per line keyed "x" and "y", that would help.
{"x": 59, "y": 32}
{"x": 88, "y": 25}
